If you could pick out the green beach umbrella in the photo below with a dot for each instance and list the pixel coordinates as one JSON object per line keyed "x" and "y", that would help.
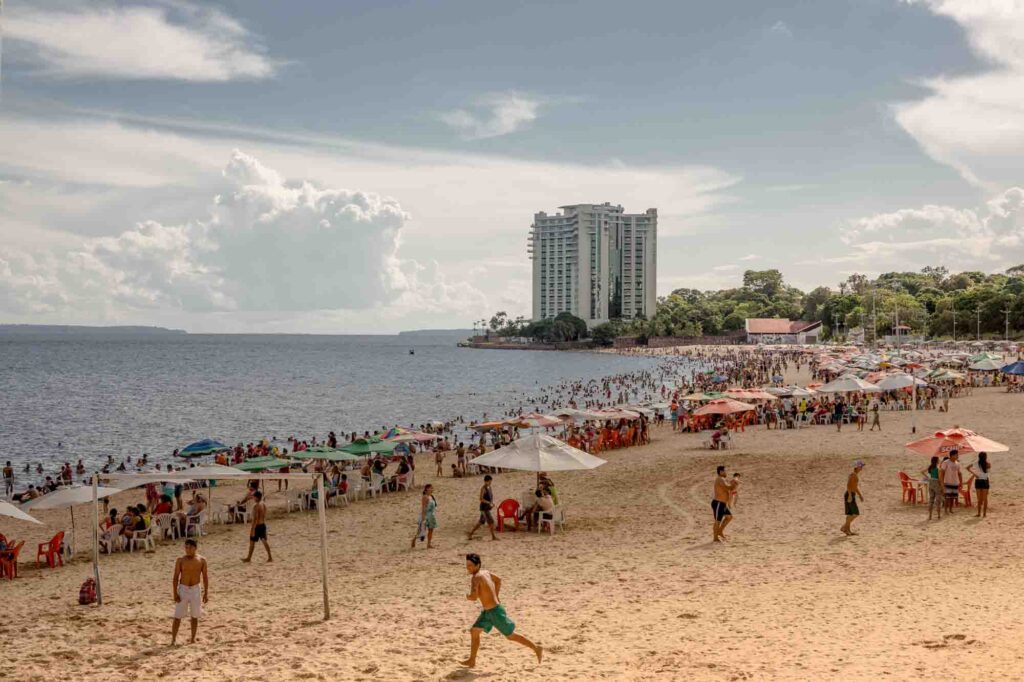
{"x": 369, "y": 447}
{"x": 261, "y": 464}
{"x": 329, "y": 454}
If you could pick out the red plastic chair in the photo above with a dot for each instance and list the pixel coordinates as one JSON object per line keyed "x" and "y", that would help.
{"x": 909, "y": 490}
{"x": 51, "y": 551}
{"x": 508, "y": 509}
{"x": 9, "y": 561}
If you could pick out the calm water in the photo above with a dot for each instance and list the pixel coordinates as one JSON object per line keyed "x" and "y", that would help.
{"x": 128, "y": 395}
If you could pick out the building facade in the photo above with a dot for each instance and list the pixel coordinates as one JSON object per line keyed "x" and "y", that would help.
{"x": 779, "y": 331}
{"x": 595, "y": 261}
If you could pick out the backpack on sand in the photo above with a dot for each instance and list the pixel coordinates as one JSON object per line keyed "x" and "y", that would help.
{"x": 87, "y": 593}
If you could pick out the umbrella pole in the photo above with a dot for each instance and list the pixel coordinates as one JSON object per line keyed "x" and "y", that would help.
{"x": 96, "y": 539}
{"x": 913, "y": 399}
{"x": 320, "y": 506}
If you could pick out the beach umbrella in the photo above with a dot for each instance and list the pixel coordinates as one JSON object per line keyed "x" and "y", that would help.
{"x": 261, "y": 464}
{"x": 894, "y": 382}
{"x": 964, "y": 440}
{"x": 723, "y": 406}
{"x": 719, "y": 379}
{"x": 849, "y": 384}
{"x": 538, "y": 453}
{"x": 536, "y": 420}
{"x": 8, "y": 509}
{"x": 202, "y": 447}
{"x": 366, "y": 447}
{"x": 1016, "y": 368}
{"x": 986, "y": 365}
{"x": 329, "y": 454}
{"x": 67, "y": 498}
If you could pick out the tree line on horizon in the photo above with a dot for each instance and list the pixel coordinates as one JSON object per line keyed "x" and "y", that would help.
{"x": 928, "y": 302}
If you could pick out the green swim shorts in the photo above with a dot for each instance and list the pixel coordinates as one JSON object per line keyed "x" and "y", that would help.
{"x": 495, "y": 618}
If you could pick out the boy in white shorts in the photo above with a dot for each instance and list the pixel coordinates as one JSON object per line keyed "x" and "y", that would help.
{"x": 189, "y": 570}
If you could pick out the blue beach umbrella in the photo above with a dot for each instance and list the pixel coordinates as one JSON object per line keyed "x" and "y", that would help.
{"x": 719, "y": 379}
{"x": 1016, "y": 368}
{"x": 203, "y": 447}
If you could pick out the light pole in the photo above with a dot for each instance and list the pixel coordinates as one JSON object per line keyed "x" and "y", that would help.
{"x": 978, "y": 313}
{"x": 954, "y": 324}
{"x": 1006, "y": 333}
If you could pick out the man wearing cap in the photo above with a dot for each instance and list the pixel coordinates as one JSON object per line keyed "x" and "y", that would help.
{"x": 851, "y": 495}
{"x": 952, "y": 479}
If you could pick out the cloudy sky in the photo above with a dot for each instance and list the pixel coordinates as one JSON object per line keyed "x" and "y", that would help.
{"x": 374, "y": 166}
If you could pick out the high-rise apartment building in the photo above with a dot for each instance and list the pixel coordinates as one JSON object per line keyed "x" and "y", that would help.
{"x": 594, "y": 261}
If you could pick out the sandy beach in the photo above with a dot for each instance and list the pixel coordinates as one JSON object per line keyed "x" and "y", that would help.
{"x": 633, "y": 589}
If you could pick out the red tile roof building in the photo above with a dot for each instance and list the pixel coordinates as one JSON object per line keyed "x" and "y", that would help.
{"x": 776, "y": 330}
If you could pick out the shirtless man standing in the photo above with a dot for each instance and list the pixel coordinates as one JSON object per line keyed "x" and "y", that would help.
{"x": 850, "y": 497}
{"x": 188, "y": 571}
{"x": 486, "y": 587}
{"x": 258, "y": 532}
{"x": 720, "y": 503}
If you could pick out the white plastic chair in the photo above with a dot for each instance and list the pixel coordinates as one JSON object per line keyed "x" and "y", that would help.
{"x": 376, "y": 485}
{"x": 404, "y": 482}
{"x": 242, "y": 515}
{"x": 143, "y": 537}
{"x": 167, "y": 526}
{"x": 554, "y": 517}
{"x": 194, "y": 524}
{"x": 113, "y": 540}
{"x": 296, "y": 498}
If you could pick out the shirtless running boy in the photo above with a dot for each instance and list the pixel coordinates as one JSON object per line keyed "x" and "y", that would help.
{"x": 486, "y": 587}
{"x": 188, "y": 571}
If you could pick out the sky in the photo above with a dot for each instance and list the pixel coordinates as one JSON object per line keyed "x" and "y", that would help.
{"x": 360, "y": 167}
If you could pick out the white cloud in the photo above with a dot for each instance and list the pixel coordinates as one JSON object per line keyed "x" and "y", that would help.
{"x": 990, "y": 237}
{"x": 164, "y": 172}
{"x": 750, "y": 257}
{"x": 267, "y": 245}
{"x": 780, "y": 28}
{"x": 178, "y": 41}
{"x": 493, "y": 115}
{"x": 729, "y": 267}
{"x": 975, "y": 123}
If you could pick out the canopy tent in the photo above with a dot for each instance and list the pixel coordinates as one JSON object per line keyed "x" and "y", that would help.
{"x": 613, "y": 413}
{"x": 261, "y": 464}
{"x": 8, "y": 509}
{"x": 723, "y": 406}
{"x": 366, "y": 447}
{"x": 941, "y": 442}
{"x": 538, "y": 453}
{"x": 218, "y": 472}
{"x": 399, "y": 434}
{"x": 202, "y": 447}
{"x": 986, "y": 365}
{"x": 575, "y": 414}
{"x": 849, "y": 384}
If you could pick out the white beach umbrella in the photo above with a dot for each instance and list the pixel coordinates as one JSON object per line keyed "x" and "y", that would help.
{"x": 8, "y": 509}
{"x": 848, "y": 384}
{"x": 66, "y": 498}
{"x": 538, "y": 453}
{"x": 895, "y": 382}
{"x": 986, "y": 365}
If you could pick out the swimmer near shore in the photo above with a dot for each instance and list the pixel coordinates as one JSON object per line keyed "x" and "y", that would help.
{"x": 486, "y": 587}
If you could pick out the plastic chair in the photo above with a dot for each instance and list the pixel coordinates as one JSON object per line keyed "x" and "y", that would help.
{"x": 9, "y": 561}
{"x": 194, "y": 524}
{"x": 909, "y": 489}
{"x": 167, "y": 526}
{"x": 403, "y": 482}
{"x": 296, "y": 498}
{"x": 376, "y": 485}
{"x": 508, "y": 509}
{"x": 51, "y": 551}
{"x": 554, "y": 517}
{"x": 143, "y": 537}
{"x": 112, "y": 540}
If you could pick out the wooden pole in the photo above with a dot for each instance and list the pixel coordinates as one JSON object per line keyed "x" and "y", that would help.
{"x": 96, "y": 538}
{"x": 321, "y": 503}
